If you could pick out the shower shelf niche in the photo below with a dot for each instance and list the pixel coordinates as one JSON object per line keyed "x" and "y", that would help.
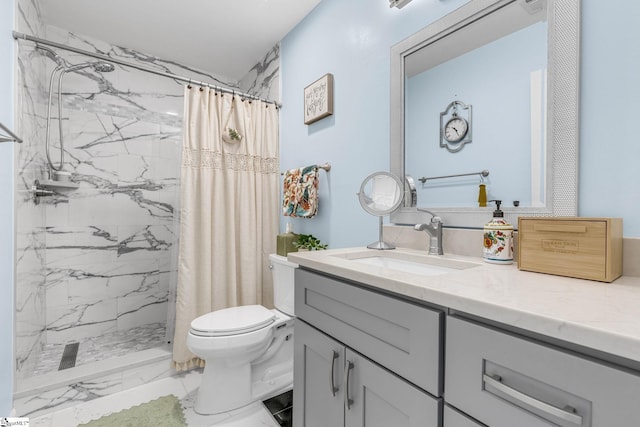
{"x": 58, "y": 185}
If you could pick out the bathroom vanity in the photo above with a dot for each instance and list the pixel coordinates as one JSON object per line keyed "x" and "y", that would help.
{"x": 401, "y": 338}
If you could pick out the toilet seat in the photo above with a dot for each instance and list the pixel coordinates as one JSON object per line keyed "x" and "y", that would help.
{"x": 232, "y": 321}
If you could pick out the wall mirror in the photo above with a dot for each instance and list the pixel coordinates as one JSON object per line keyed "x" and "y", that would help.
{"x": 517, "y": 63}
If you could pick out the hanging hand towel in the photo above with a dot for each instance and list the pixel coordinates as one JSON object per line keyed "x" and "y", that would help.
{"x": 300, "y": 192}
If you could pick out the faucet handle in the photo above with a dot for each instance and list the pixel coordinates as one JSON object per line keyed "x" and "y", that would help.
{"x": 427, "y": 211}
{"x": 434, "y": 218}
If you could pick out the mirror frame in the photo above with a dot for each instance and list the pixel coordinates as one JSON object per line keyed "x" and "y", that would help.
{"x": 392, "y": 208}
{"x": 563, "y": 90}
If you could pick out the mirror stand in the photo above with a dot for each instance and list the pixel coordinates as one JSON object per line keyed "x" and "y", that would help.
{"x": 380, "y": 244}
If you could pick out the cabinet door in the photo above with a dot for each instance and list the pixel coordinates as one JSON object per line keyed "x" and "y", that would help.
{"x": 374, "y": 397}
{"x": 453, "y": 418}
{"x": 318, "y": 395}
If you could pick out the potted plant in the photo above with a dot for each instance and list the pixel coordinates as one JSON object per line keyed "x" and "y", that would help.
{"x": 307, "y": 242}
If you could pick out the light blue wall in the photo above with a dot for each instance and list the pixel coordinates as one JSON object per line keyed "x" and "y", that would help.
{"x": 610, "y": 112}
{"x": 351, "y": 39}
{"x": 6, "y": 210}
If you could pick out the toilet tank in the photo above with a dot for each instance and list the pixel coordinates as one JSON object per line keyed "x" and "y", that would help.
{"x": 283, "y": 277}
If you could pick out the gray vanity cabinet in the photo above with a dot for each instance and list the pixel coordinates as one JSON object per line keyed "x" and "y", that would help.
{"x": 362, "y": 358}
{"x": 504, "y": 380}
{"x": 367, "y": 358}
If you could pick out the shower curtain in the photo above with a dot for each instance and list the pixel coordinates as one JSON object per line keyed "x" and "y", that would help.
{"x": 229, "y": 208}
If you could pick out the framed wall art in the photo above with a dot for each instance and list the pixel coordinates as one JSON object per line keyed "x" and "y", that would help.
{"x": 318, "y": 99}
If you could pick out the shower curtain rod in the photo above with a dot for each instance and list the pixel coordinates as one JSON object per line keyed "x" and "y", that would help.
{"x": 37, "y": 40}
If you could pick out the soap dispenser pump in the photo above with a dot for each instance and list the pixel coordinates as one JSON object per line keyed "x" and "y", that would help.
{"x": 498, "y": 238}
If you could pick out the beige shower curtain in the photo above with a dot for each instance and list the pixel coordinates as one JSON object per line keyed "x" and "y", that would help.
{"x": 229, "y": 208}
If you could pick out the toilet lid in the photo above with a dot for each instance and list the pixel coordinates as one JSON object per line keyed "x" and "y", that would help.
{"x": 234, "y": 320}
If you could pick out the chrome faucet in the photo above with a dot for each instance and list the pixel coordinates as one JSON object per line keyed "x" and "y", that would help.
{"x": 434, "y": 228}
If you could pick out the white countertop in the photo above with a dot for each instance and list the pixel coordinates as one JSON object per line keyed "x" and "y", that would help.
{"x": 603, "y": 316}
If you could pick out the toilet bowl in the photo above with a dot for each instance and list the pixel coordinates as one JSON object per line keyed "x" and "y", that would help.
{"x": 248, "y": 350}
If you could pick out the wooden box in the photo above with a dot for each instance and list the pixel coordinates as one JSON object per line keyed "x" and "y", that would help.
{"x": 585, "y": 248}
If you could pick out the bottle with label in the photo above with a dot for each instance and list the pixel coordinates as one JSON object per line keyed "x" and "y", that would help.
{"x": 498, "y": 238}
{"x": 284, "y": 242}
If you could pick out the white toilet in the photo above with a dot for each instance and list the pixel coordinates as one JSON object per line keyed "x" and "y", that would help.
{"x": 248, "y": 350}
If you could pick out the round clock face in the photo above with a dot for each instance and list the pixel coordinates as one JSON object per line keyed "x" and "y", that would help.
{"x": 455, "y": 129}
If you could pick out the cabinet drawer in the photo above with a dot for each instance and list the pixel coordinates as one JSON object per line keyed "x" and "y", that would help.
{"x": 503, "y": 381}
{"x": 403, "y": 337}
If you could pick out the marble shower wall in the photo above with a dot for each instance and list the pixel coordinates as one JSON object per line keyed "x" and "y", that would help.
{"x": 263, "y": 80}
{"x": 102, "y": 257}
{"x": 30, "y": 268}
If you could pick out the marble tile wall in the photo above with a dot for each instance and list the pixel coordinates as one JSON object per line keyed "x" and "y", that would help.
{"x": 263, "y": 79}
{"x": 102, "y": 257}
{"x": 30, "y": 269}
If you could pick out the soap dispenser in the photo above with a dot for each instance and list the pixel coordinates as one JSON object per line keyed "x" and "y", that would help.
{"x": 284, "y": 242}
{"x": 498, "y": 238}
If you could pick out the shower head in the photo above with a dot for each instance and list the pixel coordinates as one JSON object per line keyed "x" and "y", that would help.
{"x": 103, "y": 67}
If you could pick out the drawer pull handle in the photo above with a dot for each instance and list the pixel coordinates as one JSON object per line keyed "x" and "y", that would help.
{"x": 334, "y": 356}
{"x": 567, "y": 414}
{"x": 349, "y": 369}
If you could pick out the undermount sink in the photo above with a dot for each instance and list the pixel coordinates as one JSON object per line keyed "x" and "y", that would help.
{"x": 410, "y": 263}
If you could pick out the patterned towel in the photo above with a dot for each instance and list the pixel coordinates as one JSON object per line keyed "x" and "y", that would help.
{"x": 300, "y": 192}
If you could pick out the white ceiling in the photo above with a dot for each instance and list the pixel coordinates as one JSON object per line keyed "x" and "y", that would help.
{"x": 226, "y": 38}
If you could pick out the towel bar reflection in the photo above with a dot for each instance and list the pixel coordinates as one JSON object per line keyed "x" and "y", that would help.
{"x": 326, "y": 167}
{"x": 11, "y": 136}
{"x": 483, "y": 173}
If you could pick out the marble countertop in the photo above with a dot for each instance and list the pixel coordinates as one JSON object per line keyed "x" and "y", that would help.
{"x": 602, "y": 316}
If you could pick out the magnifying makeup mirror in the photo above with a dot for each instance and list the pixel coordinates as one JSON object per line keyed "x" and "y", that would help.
{"x": 380, "y": 194}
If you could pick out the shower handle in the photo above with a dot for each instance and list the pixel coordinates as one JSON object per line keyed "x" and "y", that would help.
{"x": 37, "y": 191}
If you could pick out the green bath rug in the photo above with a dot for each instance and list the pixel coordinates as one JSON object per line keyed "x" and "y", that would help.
{"x": 162, "y": 412}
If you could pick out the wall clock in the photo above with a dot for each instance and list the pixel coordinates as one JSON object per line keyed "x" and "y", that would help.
{"x": 455, "y": 126}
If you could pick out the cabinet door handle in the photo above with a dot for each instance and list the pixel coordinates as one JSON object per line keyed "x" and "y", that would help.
{"x": 348, "y": 399}
{"x": 567, "y": 414}
{"x": 334, "y": 356}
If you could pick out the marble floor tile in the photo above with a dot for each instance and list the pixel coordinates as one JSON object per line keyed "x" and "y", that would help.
{"x": 183, "y": 386}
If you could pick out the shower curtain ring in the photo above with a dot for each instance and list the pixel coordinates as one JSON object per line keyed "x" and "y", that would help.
{"x": 189, "y": 84}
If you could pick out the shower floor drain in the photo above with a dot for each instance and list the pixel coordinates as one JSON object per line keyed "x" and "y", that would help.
{"x": 69, "y": 356}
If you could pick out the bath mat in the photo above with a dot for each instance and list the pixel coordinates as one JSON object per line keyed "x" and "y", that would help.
{"x": 162, "y": 412}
